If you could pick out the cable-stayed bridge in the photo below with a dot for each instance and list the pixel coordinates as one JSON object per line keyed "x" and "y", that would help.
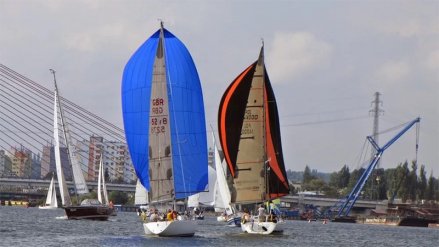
{"x": 26, "y": 135}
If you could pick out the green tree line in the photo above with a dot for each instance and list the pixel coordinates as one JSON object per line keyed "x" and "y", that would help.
{"x": 405, "y": 182}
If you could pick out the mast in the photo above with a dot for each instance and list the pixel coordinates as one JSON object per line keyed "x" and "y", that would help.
{"x": 168, "y": 80}
{"x": 264, "y": 125}
{"x": 160, "y": 144}
{"x": 65, "y": 197}
{"x": 78, "y": 177}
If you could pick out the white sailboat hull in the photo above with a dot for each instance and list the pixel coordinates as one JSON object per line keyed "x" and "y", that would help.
{"x": 47, "y": 207}
{"x": 176, "y": 228}
{"x": 263, "y": 228}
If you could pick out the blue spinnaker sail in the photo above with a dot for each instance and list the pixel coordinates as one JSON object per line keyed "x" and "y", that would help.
{"x": 186, "y": 113}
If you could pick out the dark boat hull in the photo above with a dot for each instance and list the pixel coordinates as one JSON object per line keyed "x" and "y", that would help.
{"x": 415, "y": 221}
{"x": 345, "y": 219}
{"x": 88, "y": 212}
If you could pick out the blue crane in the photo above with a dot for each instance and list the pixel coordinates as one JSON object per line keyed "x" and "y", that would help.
{"x": 345, "y": 205}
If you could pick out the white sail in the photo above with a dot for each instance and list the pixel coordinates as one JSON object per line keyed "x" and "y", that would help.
{"x": 54, "y": 201}
{"x": 102, "y": 188}
{"x": 51, "y": 195}
{"x": 65, "y": 197}
{"x": 193, "y": 200}
{"x": 141, "y": 195}
{"x": 78, "y": 175}
{"x": 208, "y": 197}
{"x": 222, "y": 185}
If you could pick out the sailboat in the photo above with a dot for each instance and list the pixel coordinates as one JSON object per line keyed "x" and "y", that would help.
{"x": 51, "y": 201}
{"x": 250, "y": 138}
{"x": 164, "y": 122}
{"x": 89, "y": 208}
{"x": 222, "y": 190}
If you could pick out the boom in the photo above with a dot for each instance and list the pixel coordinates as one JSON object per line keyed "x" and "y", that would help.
{"x": 348, "y": 202}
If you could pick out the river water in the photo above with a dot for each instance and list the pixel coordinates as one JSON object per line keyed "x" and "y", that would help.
{"x": 36, "y": 227}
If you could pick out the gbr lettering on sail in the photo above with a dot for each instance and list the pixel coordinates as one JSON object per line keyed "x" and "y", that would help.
{"x": 158, "y": 119}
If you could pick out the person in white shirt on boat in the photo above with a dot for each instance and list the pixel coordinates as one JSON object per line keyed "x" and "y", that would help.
{"x": 261, "y": 213}
{"x": 154, "y": 216}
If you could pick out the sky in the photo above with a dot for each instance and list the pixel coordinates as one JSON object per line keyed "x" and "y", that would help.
{"x": 325, "y": 59}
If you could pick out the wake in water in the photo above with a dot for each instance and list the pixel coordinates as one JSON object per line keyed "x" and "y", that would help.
{"x": 64, "y": 217}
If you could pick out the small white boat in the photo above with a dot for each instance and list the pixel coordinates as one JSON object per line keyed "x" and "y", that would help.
{"x": 265, "y": 227}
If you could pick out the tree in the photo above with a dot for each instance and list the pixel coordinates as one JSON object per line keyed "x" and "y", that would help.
{"x": 344, "y": 176}
{"x": 413, "y": 180}
{"x": 354, "y": 177}
{"x": 430, "y": 193}
{"x": 403, "y": 177}
{"x": 307, "y": 177}
{"x": 118, "y": 197}
{"x": 422, "y": 185}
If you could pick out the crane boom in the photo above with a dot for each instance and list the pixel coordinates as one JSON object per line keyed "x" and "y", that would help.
{"x": 348, "y": 202}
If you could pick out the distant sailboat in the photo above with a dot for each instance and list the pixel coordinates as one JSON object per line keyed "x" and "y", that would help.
{"x": 222, "y": 190}
{"x": 165, "y": 129}
{"x": 250, "y": 138}
{"x": 89, "y": 208}
{"x": 51, "y": 201}
{"x": 204, "y": 199}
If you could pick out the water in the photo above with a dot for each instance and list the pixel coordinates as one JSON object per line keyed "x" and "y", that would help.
{"x": 36, "y": 227}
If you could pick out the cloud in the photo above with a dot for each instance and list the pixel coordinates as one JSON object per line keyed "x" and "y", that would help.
{"x": 432, "y": 61}
{"x": 392, "y": 72}
{"x": 295, "y": 54}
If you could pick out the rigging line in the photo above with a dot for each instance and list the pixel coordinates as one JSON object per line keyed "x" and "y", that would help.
{"x": 28, "y": 110}
{"x": 27, "y": 98}
{"x": 47, "y": 111}
{"x": 64, "y": 99}
{"x": 84, "y": 129}
{"x": 393, "y": 128}
{"x": 29, "y": 88}
{"x": 79, "y": 114}
{"x": 96, "y": 123}
{"x": 18, "y": 122}
{"x": 18, "y": 137}
{"x": 324, "y": 121}
{"x": 360, "y": 157}
{"x": 13, "y": 155}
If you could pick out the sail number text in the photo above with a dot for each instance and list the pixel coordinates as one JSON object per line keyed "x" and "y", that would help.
{"x": 250, "y": 116}
{"x": 158, "y": 123}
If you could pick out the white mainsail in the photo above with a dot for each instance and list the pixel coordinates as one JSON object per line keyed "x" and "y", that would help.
{"x": 65, "y": 197}
{"x": 78, "y": 176}
{"x": 102, "y": 187}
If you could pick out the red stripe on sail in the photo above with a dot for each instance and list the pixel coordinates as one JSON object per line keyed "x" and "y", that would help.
{"x": 271, "y": 153}
{"x": 225, "y": 104}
